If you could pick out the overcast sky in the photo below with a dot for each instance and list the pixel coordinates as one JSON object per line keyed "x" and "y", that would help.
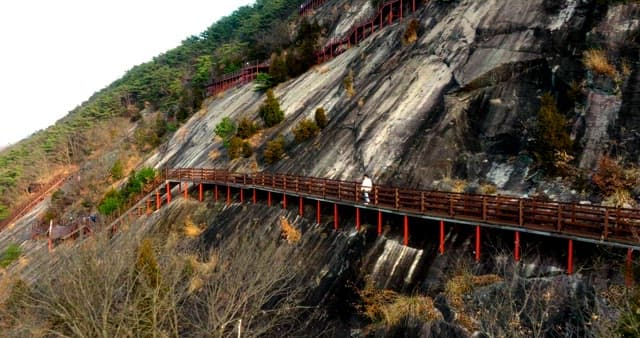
{"x": 56, "y": 53}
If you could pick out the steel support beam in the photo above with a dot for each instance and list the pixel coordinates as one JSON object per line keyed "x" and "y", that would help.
{"x": 406, "y": 231}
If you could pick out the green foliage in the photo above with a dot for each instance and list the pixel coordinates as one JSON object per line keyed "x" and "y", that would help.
{"x": 270, "y": 111}
{"x": 226, "y": 129}
{"x": 552, "y": 136}
{"x": 321, "y": 118}
{"x": 305, "y": 130}
{"x": 172, "y": 127}
{"x": 4, "y": 212}
{"x": 235, "y": 147}
{"x": 263, "y": 82}
{"x": 10, "y": 254}
{"x": 274, "y": 150}
{"x": 114, "y": 200}
{"x": 111, "y": 202}
{"x": 117, "y": 171}
{"x": 247, "y": 150}
{"x": 246, "y": 128}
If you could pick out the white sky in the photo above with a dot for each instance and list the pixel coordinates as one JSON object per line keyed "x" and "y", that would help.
{"x": 57, "y": 53}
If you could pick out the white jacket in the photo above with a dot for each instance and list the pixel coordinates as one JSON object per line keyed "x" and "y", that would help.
{"x": 367, "y": 185}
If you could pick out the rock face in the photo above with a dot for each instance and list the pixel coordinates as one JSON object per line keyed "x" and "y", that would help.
{"x": 460, "y": 102}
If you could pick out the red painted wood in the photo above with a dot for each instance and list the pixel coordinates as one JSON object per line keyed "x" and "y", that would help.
{"x": 215, "y": 192}
{"x": 168, "y": 192}
{"x": 379, "y": 223}
{"x": 406, "y": 231}
{"x": 228, "y": 195}
{"x": 301, "y": 209}
{"x": 269, "y": 198}
{"x": 200, "y": 193}
{"x": 148, "y": 206}
{"x": 441, "y": 247}
{"x": 158, "y": 202}
{"x": 318, "y": 212}
{"x": 241, "y": 195}
{"x": 255, "y": 196}
{"x": 284, "y": 201}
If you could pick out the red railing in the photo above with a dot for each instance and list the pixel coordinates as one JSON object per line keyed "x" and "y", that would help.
{"x": 24, "y": 208}
{"x": 618, "y": 225}
{"x": 386, "y": 14}
{"x": 240, "y": 77}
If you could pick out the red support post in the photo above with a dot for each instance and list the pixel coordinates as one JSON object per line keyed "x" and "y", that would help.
{"x": 400, "y": 10}
{"x": 241, "y": 195}
{"x": 628, "y": 276}
{"x": 186, "y": 191}
{"x": 158, "y": 202}
{"x": 379, "y": 222}
{"x": 148, "y": 206}
{"x": 477, "y": 243}
{"x": 255, "y": 196}
{"x": 215, "y": 192}
{"x": 357, "y": 218}
{"x": 413, "y": 6}
{"x": 284, "y": 201}
{"x": 441, "y": 248}
{"x": 269, "y": 198}
{"x": 301, "y": 211}
{"x": 570, "y": 258}
{"x": 168, "y": 192}
{"x": 516, "y": 251}
{"x": 228, "y": 195}
{"x": 318, "y": 212}
{"x": 200, "y": 195}
{"x": 406, "y": 231}
{"x": 335, "y": 216}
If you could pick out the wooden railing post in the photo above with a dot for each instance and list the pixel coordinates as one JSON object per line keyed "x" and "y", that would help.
{"x": 520, "y": 212}
{"x": 375, "y": 196}
{"x": 559, "y": 225}
{"x": 397, "y": 197}
{"x": 422, "y": 205}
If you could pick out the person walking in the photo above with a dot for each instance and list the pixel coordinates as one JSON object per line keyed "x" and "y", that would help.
{"x": 366, "y": 187}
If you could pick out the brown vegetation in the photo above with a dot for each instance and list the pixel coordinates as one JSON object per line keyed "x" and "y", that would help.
{"x": 596, "y": 60}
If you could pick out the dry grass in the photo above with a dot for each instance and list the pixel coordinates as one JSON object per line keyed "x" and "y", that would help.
{"x": 214, "y": 154}
{"x": 411, "y": 32}
{"x": 596, "y": 60}
{"x": 458, "y": 186}
{"x": 289, "y": 232}
{"x": 619, "y": 198}
{"x": 463, "y": 284}
{"x": 191, "y": 230}
{"x": 348, "y": 84}
{"x": 488, "y": 189}
{"x": 390, "y": 308}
